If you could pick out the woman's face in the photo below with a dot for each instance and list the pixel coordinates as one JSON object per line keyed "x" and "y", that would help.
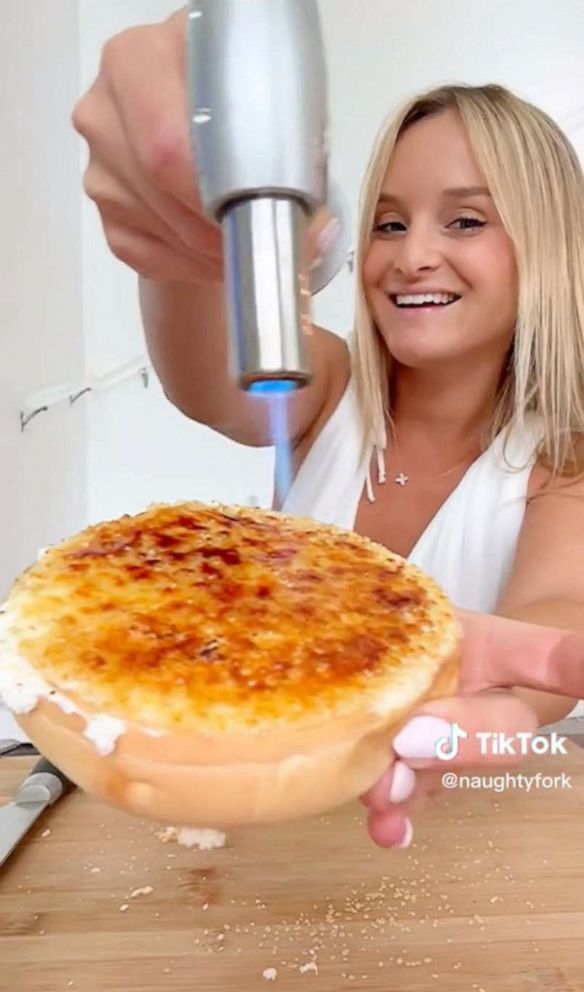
{"x": 440, "y": 274}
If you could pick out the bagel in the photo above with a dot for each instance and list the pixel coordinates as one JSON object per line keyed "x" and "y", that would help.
{"x": 214, "y": 666}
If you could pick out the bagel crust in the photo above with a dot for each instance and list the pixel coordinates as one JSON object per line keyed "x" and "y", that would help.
{"x": 213, "y": 665}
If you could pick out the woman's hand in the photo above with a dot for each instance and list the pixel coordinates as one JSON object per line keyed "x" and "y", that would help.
{"x": 498, "y": 654}
{"x": 140, "y": 172}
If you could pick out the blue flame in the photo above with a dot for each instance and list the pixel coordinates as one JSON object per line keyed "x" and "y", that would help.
{"x": 271, "y": 387}
{"x": 275, "y": 392}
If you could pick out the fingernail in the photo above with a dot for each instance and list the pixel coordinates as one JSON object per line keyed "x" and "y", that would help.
{"x": 325, "y": 241}
{"x": 403, "y": 782}
{"x": 328, "y": 236}
{"x": 408, "y": 834}
{"x": 419, "y": 737}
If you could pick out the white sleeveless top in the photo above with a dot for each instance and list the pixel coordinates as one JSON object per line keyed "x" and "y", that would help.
{"x": 469, "y": 545}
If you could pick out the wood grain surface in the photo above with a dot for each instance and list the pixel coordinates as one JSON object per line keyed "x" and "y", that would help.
{"x": 489, "y": 897}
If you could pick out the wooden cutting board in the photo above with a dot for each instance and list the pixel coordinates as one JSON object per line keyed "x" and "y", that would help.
{"x": 489, "y": 897}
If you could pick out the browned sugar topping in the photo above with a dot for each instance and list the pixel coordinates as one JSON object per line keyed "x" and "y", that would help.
{"x": 218, "y": 606}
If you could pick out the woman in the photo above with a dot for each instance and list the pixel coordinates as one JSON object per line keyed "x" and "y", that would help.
{"x": 452, "y": 432}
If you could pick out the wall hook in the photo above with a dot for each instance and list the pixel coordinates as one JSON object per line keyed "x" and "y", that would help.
{"x": 76, "y": 396}
{"x": 25, "y": 418}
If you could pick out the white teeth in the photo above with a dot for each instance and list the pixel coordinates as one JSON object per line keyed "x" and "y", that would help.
{"x": 421, "y": 299}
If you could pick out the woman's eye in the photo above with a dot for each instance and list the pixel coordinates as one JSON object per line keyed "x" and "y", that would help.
{"x": 467, "y": 223}
{"x": 390, "y": 227}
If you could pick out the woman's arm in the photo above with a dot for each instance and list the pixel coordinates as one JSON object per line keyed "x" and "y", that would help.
{"x": 185, "y": 329}
{"x": 546, "y": 585}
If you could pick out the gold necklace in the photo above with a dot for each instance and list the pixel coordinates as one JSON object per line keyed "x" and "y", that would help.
{"x": 401, "y": 479}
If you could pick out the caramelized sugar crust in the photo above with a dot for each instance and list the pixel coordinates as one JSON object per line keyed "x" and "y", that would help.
{"x": 208, "y": 617}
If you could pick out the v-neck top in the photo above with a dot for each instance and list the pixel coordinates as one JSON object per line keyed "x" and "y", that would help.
{"x": 469, "y": 545}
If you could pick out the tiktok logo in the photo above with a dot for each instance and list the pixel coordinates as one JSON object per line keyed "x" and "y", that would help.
{"x": 447, "y": 747}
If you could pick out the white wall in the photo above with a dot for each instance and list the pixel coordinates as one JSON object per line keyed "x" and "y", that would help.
{"x": 42, "y": 491}
{"x": 379, "y": 52}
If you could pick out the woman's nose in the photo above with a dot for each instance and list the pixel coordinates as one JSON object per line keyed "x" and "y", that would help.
{"x": 416, "y": 251}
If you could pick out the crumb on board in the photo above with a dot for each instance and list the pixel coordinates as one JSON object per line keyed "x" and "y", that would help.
{"x": 46, "y": 832}
{"x": 144, "y": 891}
{"x": 339, "y": 925}
{"x": 203, "y": 839}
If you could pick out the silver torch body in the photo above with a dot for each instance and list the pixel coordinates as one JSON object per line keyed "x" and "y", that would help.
{"x": 258, "y": 109}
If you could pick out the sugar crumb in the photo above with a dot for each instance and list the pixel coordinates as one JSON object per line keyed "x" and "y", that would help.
{"x": 309, "y": 966}
{"x": 144, "y": 891}
{"x": 203, "y": 839}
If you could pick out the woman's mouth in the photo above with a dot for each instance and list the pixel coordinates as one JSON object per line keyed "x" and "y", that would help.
{"x": 422, "y": 300}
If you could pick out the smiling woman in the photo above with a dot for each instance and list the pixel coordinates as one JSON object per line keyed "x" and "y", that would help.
{"x": 451, "y": 429}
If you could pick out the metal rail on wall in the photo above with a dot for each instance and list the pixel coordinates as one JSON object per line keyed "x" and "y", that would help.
{"x": 70, "y": 393}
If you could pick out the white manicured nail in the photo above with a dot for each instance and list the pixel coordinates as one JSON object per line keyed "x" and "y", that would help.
{"x": 420, "y": 736}
{"x": 408, "y": 835}
{"x": 403, "y": 782}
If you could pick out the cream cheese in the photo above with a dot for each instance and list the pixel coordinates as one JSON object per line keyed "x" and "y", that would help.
{"x": 21, "y": 688}
{"x": 103, "y": 731}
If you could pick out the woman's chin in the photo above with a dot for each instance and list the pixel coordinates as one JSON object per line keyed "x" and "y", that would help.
{"x": 418, "y": 354}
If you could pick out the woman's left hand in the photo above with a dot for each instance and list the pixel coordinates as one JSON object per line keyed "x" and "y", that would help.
{"x": 497, "y": 655}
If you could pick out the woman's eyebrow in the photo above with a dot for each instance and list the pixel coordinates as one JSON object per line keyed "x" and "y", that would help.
{"x": 462, "y": 191}
{"x": 387, "y": 198}
{"x": 456, "y": 192}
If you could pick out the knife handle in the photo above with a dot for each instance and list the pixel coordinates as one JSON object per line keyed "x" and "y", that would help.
{"x": 46, "y": 767}
{"x": 45, "y": 782}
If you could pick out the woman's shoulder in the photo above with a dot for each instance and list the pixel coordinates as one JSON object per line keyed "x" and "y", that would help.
{"x": 544, "y": 480}
{"x": 520, "y": 442}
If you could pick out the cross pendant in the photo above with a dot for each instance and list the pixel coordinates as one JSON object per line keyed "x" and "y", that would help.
{"x": 401, "y": 479}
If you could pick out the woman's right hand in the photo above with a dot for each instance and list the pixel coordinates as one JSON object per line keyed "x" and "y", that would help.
{"x": 140, "y": 172}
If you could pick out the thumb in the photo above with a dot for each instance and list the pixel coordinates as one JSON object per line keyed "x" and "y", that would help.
{"x": 468, "y": 731}
{"x": 502, "y": 652}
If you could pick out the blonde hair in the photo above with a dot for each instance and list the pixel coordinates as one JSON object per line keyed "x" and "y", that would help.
{"x": 537, "y": 185}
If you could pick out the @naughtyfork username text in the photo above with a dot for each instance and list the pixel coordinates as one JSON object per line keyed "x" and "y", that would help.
{"x": 506, "y": 781}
